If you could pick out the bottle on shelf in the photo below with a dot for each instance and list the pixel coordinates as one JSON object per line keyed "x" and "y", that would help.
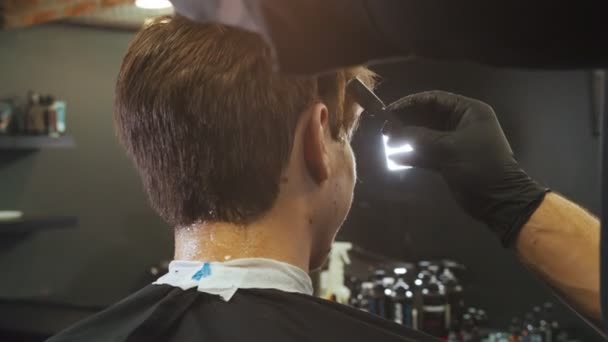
{"x": 468, "y": 328}
{"x": 454, "y": 294}
{"x": 454, "y": 333}
{"x": 481, "y": 322}
{"x": 354, "y": 285}
{"x": 455, "y": 267}
{"x": 531, "y": 331}
{"x": 435, "y": 267}
{"x": 379, "y": 299}
{"x": 402, "y": 300}
{"x": 421, "y": 280}
{"x": 387, "y": 283}
{"x": 406, "y": 270}
{"x": 434, "y": 308}
{"x": 515, "y": 330}
{"x": 34, "y": 115}
{"x": 366, "y": 297}
{"x": 548, "y": 318}
{"x": 423, "y": 265}
{"x": 49, "y": 115}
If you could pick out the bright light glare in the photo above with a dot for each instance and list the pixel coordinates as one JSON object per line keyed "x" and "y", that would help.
{"x": 389, "y": 151}
{"x": 400, "y": 270}
{"x": 153, "y": 4}
{"x": 392, "y": 166}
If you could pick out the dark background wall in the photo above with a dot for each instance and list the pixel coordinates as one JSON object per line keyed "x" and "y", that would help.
{"x": 118, "y": 236}
{"x": 409, "y": 215}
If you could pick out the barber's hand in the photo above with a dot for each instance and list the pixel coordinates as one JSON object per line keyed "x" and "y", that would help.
{"x": 461, "y": 139}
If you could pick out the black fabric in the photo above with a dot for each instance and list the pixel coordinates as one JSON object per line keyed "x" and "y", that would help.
{"x": 316, "y": 35}
{"x": 166, "y": 313}
{"x": 461, "y": 139}
{"x": 532, "y": 34}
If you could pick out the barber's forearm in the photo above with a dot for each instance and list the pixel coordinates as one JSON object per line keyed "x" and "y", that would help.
{"x": 560, "y": 242}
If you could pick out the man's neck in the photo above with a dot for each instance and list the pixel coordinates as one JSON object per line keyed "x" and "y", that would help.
{"x": 268, "y": 238}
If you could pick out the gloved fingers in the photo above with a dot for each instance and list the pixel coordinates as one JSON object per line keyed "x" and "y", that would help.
{"x": 439, "y": 110}
{"x": 420, "y": 138}
{"x": 431, "y": 97}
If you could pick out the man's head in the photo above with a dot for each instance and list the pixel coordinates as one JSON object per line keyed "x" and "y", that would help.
{"x": 217, "y": 136}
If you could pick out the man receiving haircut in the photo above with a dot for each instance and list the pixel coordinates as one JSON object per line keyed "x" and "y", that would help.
{"x": 255, "y": 172}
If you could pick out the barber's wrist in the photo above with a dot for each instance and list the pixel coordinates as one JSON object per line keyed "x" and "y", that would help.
{"x": 513, "y": 208}
{"x": 509, "y": 237}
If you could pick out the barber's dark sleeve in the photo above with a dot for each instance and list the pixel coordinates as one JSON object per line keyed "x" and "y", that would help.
{"x": 510, "y": 33}
{"x": 315, "y": 35}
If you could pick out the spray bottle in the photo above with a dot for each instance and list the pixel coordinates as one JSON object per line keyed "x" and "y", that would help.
{"x": 333, "y": 278}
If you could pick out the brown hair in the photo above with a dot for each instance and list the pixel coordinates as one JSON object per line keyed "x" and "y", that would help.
{"x": 208, "y": 123}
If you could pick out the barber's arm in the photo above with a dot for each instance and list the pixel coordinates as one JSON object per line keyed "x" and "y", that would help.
{"x": 461, "y": 139}
{"x": 560, "y": 242}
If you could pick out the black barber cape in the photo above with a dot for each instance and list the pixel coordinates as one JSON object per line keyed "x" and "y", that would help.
{"x": 167, "y": 313}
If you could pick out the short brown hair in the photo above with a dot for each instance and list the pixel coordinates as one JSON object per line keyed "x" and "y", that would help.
{"x": 207, "y": 122}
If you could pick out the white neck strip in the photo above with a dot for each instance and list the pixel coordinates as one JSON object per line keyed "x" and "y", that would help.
{"x": 225, "y": 278}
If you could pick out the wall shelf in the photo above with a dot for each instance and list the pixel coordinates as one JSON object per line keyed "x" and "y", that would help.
{"x": 29, "y": 225}
{"x": 34, "y": 142}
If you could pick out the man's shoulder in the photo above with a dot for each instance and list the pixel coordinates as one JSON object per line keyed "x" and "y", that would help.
{"x": 331, "y": 321}
{"x": 161, "y": 312}
{"x": 117, "y": 320}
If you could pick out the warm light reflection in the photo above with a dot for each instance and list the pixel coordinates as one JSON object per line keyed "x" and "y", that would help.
{"x": 153, "y": 4}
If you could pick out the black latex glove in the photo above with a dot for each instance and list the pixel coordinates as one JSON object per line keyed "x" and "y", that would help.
{"x": 461, "y": 139}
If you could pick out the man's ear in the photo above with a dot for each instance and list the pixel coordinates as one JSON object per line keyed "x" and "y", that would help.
{"x": 316, "y": 153}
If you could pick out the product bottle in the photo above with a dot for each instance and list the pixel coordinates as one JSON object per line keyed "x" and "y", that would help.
{"x": 50, "y": 116}
{"x": 423, "y": 278}
{"x": 468, "y": 328}
{"x": 456, "y": 268}
{"x": 434, "y": 307}
{"x": 515, "y": 330}
{"x": 405, "y": 270}
{"x": 33, "y": 121}
{"x": 546, "y": 319}
{"x": 423, "y": 265}
{"x": 402, "y": 303}
{"x": 366, "y": 301}
{"x": 60, "y": 111}
{"x": 454, "y": 333}
{"x": 454, "y": 295}
{"x": 379, "y": 298}
{"x": 354, "y": 285}
{"x": 420, "y": 282}
{"x": 531, "y": 331}
{"x": 387, "y": 284}
{"x": 481, "y": 322}
{"x": 433, "y": 266}
{"x": 559, "y": 334}
{"x": 544, "y": 330}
